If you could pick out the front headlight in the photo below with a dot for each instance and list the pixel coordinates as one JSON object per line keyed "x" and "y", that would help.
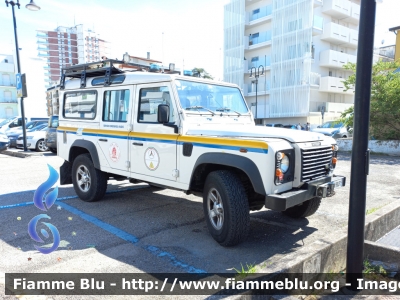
{"x": 285, "y": 164}
{"x": 284, "y": 171}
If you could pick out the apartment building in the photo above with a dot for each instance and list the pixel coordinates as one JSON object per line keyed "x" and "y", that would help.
{"x": 8, "y": 91}
{"x": 66, "y": 46}
{"x": 298, "y": 49}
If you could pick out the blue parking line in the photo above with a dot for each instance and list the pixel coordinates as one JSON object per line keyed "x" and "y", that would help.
{"x": 118, "y": 232}
{"x": 66, "y": 198}
{"x": 132, "y": 239}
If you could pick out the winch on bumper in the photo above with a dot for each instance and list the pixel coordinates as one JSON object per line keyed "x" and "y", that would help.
{"x": 322, "y": 187}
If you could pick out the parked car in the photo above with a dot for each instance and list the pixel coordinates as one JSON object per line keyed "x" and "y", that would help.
{"x": 334, "y": 129}
{"x": 28, "y": 125}
{"x": 14, "y": 134}
{"x": 274, "y": 125}
{"x": 4, "y": 142}
{"x": 51, "y": 135}
{"x": 34, "y": 140}
{"x": 11, "y": 123}
{"x": 293, "y": 126}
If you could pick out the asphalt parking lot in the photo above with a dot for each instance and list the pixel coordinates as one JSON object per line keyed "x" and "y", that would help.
{"x": 137, "y": 228}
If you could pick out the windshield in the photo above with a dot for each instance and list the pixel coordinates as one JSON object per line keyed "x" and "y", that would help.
{"x": 332, "y": 125}
{"x": 198, "y": 96}
{"x": 5, "y": 122}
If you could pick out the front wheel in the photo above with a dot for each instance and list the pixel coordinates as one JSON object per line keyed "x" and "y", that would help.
{"x": 90, "y": 184}
{"x": 303, "y": 210}
{"x": 41, "y": 146}
{"x": 226, "y": 208}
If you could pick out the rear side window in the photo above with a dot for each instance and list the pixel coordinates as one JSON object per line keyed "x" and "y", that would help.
{"x": 53, "y": 122}
{"x": 80, "y": 105}
{"x": 116, "y": 105}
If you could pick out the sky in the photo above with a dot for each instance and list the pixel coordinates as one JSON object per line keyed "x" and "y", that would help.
{"x": 184, "y": 32}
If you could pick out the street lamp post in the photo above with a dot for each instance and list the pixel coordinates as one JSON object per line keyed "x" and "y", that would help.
{"x": 31, "y": 6}
{"x": 256, "y": 75}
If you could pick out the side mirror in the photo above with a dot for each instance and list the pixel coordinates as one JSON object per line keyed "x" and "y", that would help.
{"x": 163, "y": 113}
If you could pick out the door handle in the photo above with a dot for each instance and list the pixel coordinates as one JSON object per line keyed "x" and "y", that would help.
{"x": 103, "y": 140}
{"x": 137, "y": 144}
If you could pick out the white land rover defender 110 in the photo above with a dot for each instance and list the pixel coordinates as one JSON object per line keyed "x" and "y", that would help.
{"x": 188, "y": 134}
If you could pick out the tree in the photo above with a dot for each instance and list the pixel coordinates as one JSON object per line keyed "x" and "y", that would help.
{"x": 385, "y": 100}
{"x": 200, "y": 72}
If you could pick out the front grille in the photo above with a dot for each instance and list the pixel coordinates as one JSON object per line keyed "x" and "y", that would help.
{"x": 315, "y": 162}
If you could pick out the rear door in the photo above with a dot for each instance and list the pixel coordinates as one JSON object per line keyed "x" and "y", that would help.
{"x": 115, "y": 125}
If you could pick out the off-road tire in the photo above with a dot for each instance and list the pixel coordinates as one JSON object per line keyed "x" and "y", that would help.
{"x": 41, "y": 146}
{"x": 236, "y": 216}
{"x": 303, "y": 210}
{"x": 98, "y": 178}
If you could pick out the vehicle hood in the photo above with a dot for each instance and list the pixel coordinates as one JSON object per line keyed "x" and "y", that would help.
{"x": 291, "y": 135}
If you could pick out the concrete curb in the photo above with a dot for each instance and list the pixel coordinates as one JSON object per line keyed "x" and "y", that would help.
{"x": 390, "y": 147}
{"x": 20, "y": 153}
{"x": 329, "y": 254}
{"x": 379, "y": 252}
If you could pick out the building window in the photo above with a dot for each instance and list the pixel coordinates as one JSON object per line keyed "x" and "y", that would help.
{"x": 254, "y": 62}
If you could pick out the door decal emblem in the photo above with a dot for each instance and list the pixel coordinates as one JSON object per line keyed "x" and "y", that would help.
{"x": 114, "y": 152}
{"x": 151, "y": 158}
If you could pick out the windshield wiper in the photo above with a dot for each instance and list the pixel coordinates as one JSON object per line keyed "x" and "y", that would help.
{"x": 228, "y": 109}
{"x": 200, "y": 107}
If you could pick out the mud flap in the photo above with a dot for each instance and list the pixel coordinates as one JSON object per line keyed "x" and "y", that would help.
{"x": 66, "y": 173}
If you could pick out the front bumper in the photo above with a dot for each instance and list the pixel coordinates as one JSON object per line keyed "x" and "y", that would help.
{"x": 322, "y": 187}
{"x": 51, "y": 143}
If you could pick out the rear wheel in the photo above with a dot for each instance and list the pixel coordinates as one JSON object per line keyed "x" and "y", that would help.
{"x": 41, "y": 146}
{"x": 226, "y": 208}
{"x": 303, "y": 210}
{"x": 90, "y": 184}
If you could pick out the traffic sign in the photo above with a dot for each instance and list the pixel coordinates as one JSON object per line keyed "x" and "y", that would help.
{"x": 21, "y": 85}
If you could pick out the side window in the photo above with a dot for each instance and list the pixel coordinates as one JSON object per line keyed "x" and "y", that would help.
{"x": 149, "y": 99}
{"x": 80, "y": 105}
{"x": 116, "y": 105}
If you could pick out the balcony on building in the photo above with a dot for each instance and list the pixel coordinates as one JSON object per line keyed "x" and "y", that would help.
{"x": 340, "y": 35}
{"x": 259, "y": 39}
{"x": 343, "y": 10}
{"x": 318, "y": 25}
{"x": 7, "y": 67}
{"x": 43, "y": 48}
{"x": 331, "y": 84}
{"x": 335, "y": 59}
{"x": 263, "y": 87}
{"x": 330, "y": 107}
{"x": 318, "y": 3}
{"x": 257, "y": 61}
{"x": 43, "y": 54}
{"x": 259, "y": 16}
{"x": 42, "y": 35}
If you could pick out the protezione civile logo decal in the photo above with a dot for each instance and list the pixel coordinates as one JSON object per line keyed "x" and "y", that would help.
{"x": 49, "y": 200}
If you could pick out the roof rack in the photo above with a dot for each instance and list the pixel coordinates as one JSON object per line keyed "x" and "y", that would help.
{"x": 104, "y": 68}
